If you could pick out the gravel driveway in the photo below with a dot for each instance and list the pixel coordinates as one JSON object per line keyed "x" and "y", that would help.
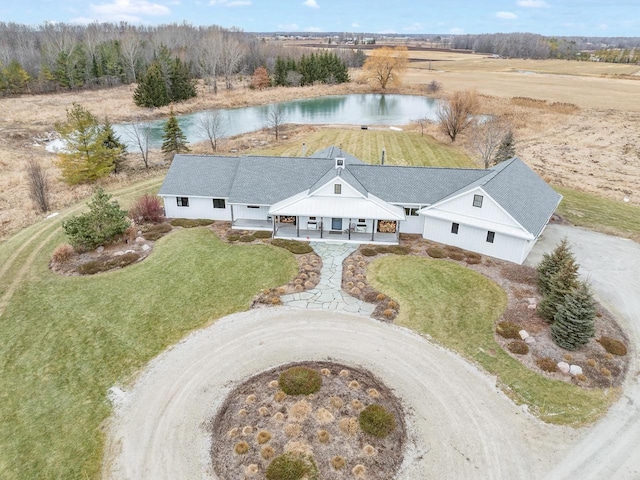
{"x": 610, "y": 449}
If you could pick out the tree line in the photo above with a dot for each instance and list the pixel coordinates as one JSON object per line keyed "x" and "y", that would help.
{"x": 58, "y": 56}
{"x": 324, "y": 67}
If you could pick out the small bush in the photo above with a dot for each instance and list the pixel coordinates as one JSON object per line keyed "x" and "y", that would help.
{"x": 547, "y": 364}
{"x": 263, "y": 234}
{"x": 267, "y": 452}
{"x": 290, "y": 466}
{"x": 154, "y": 232}
{"x": 62, "y": 253}
{"x": 234, "y": 237}
{"x": 473, "y": 258}
{"x": 508, "y": 330}
{"x": 605, "y": 371}
{"x": 299, "y": 248}
{"x": 377, "y": 421}
{"x": 147, "y": 208}
{"x": 300, "y": 381}
{"x": 457, "y": 256}
{"x": 241, "y": 448}
{"x": 247, "y": 238}
{"x": 370, "y": 296}
{"x": 388, "y": 313}
{"x": 380, "y": 297}
{"x": 190, "y": 223}
{"x": 436, "y": 252}
{"x": 97, "y": 266}
{"x": 518, "y": 347}
{"x": 323, "y": 436}
{"x": 338, "y": 462}
{"x": 368, "y": 252}
{"x": 263, "y": 437}
{"x": 613, "y": 346}
{"x": 398, "y": 250}
{"x": 581, "y": 377}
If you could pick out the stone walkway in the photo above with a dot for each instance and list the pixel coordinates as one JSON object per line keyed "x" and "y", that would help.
{"x": 328, "y": 294}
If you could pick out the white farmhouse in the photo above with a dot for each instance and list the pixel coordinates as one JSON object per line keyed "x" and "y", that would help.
{"x": 500, "y": 211}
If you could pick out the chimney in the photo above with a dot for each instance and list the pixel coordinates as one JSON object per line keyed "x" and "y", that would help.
{"x": 382, "y": 159}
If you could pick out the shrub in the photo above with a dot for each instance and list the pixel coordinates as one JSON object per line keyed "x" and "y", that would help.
{"x": 508, "y": 330}
{"x": 377, "y": 421}
{"x": 104, "y": 222}
{"x": 267, "y": 452}
{"x": 247, "y": 238}
{"x": 547, "y": 364}
{"x": 299, "y": 248}
{"x": 473, "y": 258}
{"x": 241, "y": 448}
{"x": 147, "y": 208}
{"x": 457, "y": 256}
{"x": 581, "y": 377}
{"x": 323, "y": 436}
{"x": 154, "y": 232}
{"x": 573, "y": 324}
{"x": 263, "y": 437}
{"x": 388, "y": 313}
{"x": 300, "y": 381}
{"x": 518, "y": 347}
{"x": 605, "y": 371}
{"x": 62, "y": 253}
{"x": 97, "y": 266}
{"x": 368, "y": 252}
{"x": 613, "y": 346}
{"x": 370, "y": 296}
{"x": 399, "y": 250}
{"x": 338, "y": 462}
{"x": 290, "y": 466}
{"x": 190, "y": 222}
{"x": 262, "y": 234}
{"x": 436, "y": 252}
{"x": 233, "y": 237}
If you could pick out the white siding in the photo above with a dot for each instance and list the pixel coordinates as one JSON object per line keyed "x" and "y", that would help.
{"x": 243, "y": 211}
{"x": 328, "y": 189}
{"x": 413, "y": 224}
{"x": 199, "y": 207}
{"x": 474, "y": 239}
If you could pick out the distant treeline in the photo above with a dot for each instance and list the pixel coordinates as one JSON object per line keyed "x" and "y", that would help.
{"x": 530, "y": 45}
{"x": 53, "y": 57}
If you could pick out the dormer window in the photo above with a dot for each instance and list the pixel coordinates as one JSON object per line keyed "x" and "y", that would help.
{"x": 339, "y": 162}
{"x": 477, "y": 201}
{"x": 337, "y": 188}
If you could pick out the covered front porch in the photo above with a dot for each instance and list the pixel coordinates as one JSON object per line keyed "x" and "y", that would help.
{"x": 252, "y": 224}
{"x": 323, "y": 231}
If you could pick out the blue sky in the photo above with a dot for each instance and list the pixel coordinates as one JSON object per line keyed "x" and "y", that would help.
{"x": 547, "y": 17}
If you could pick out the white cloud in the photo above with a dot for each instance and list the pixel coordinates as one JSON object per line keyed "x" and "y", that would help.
{"x": 414, "y": 27}
{"x": 127, "y": 10}
{"x": 231, "y": 3}
{"x": 288, "y": 27}
{"x": 311, "y": 3}
{"x": 506, "y": 15}
{"x": 456, "y": 31}
{"x": 356, "y": 25}
{"x": 532, "y": 3}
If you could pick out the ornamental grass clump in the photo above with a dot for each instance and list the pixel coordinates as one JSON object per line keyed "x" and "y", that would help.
{"x": 300, "y": 381}
{"x": 291, "y": 466}
{"x": 293, "y": 246}
{"x": 377, "y": 421}
{"x": 613, "y": 346}
{"x": 508, "y": 329}
{"x": 518, "y": 347}
{"x": 190, "y": 222}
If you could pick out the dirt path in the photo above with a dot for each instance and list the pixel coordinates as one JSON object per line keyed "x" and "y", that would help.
{"x": 611, "y": 264}
{"x": 459, "y": 424}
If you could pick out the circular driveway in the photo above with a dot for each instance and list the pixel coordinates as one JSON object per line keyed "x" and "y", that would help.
{"x": 459, "y": 424}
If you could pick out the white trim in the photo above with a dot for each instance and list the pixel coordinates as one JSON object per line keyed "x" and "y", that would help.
{"x": 165, "y": 195}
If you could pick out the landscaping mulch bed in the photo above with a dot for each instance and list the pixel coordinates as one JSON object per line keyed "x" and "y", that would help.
{"x": 600, "y": 369}
{"x": 261, "y": 422}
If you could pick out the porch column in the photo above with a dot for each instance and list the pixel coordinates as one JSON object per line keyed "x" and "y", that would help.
{"x": 274, "y": 218}
{"x": 321, "y": 225}
{"x": 349, "y": 229}
{"x": 298, "y": 227}
{"x": 373, "y": 230}
{"x": 232, "y": 220}
{"x": 398, "y": 231}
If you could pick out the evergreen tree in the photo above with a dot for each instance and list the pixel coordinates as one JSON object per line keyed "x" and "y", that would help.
{"x": 13, "y": 78}
{"x": 560, "y": 284}
{"x": 174, "y": 141}
{"x": 152, "y": 89}
{"x": 574, "y": 321}
{"x": 113, "y": 143}
{"x": 552, "y": 263}
{"x": 181, "y": 85}
{"x": 85, "y": 158}
{"x": 280, "y": 73}
{"x": 506, "y": 149}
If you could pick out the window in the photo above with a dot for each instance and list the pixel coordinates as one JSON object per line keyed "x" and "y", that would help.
{"x": 253, "y": 206}
{"x": 312, "y": 218}
{"x": 183, "y": 201}
{"x": 219, "y": 203}
{"x": 337, "y": 189}
{"x": 411, "y": 212}
{"x": 491, "y": 236}
{"x": 477, "y": 201}
{"x": 362, "y": 220}
{"x": 454, "y": 228}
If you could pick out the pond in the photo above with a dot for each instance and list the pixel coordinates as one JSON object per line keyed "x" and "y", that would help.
{"x": 353, "y": 109}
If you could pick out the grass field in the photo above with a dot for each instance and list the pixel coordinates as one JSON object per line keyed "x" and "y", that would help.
{"x": 66, "y": 340}
{"x": 402, "y": 148}
{"x": 598, "y": 213}
{"x": 431, "y": 292}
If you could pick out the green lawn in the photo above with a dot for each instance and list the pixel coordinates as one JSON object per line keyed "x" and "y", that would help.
{"x": 402, "y": 148}
{"x": 66, "y": 340}
{"x": 457, "y": 307}
{"x": 598, "y": 213}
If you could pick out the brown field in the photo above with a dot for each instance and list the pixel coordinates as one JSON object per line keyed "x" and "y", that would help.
{"x": 583, "y": 134}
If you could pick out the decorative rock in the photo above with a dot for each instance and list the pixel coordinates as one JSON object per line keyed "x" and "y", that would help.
{"x": 129, "y": 251}
{"x": 145, "y": 247}
{"x": 139, "y": 240}
{"x": 564, "y": 367}
{"x": 531, "y": 301}
{"x": 100, "y": 249}
{"x": 118, "y": 254}
{"x": 529, "y": 340}
{"x": 532, "y": 306}
{"x": 523, "y": 334}
{"x": 575, "y": 370}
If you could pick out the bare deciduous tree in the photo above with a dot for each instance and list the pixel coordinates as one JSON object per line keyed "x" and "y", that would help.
{"x": 433, "y": 86}
{"x": 232, "y": 53}
{"x": 294, "y": 78}
{"x": 139, "y": 133}
{"x": 211, "y": 125}
{"x": 422, "y": 122}
{"x": 456, "y": 115}
{"x": 276, "y": 119}
{"x": 39, "y": 185}
{"x": 130, "y": 46}
{"x": 210, "y": 58}
{"x": 487, "y": 136}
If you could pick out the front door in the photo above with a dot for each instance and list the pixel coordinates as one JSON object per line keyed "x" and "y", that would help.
{"x": 336, "y": 224}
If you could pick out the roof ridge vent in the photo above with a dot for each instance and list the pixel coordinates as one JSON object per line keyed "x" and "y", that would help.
{"x": 340, "y": 161}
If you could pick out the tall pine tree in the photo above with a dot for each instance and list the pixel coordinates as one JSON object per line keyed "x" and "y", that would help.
{"x": 552, "y": 263}
{"x": 174, "y": 140}
{"x": 152, "y": 90}
{"x": 506, "y": 149}
{"x": 574, "y": 321}
{"x": 112, "y": 142}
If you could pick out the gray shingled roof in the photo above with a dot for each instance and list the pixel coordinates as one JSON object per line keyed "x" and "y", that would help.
{"x": 200, "y": 176}
{"x": 522, "y": 193}
{"x": 341, "y": 172}
{"x": 333, "y": 152}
